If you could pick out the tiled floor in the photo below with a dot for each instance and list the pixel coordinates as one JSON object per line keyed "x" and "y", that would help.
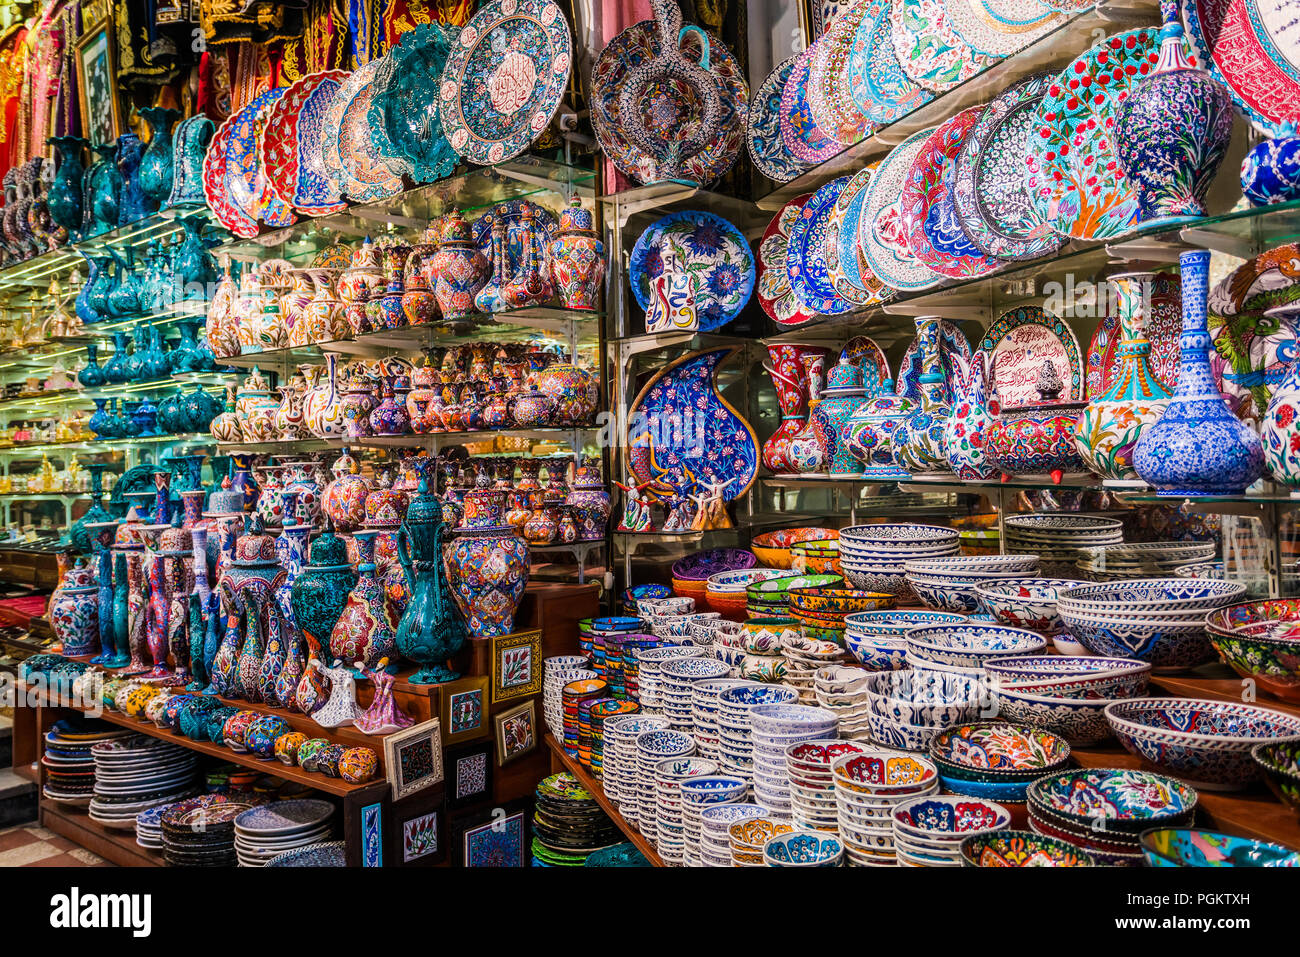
{"x": 31, "y": 846}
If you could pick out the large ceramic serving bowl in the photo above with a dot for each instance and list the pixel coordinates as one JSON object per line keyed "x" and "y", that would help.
{"x": 1064, "y": 528}
{"x": 896, "y": 624}
{"x": 701, "y": 565}
{"x": 1279, "y": 762}
{"x": 899, "y": 535}
{"x": 1080, "y": 721}
{"x": 947, "y": 820}
{"x": 1191, "y": 847}
{"x": 1167, "y": 645}
{"x": 1261, "y": 640}
{"x": 954, "y": 593}
{"x": 1025, "y": 602}
{"x": 773, "y": 548}
{"x": 764, "y": 636}
{"x": 965, "y": 566}
{"x": 889, "y": 733}
{"x": 997, "y": 752}
{"x": 776, "y": 720}
{"x": 876, "y": 654}
{"x": 926, "y": 699}
{"x": 970, "y": 645}
{"x": 1112, "y": 804}
{"x": 1206, "y": 743}
{"x": 1151, "y": 596}
{"x": 1066, "y": 677}
{"x": 1021, "y": 849}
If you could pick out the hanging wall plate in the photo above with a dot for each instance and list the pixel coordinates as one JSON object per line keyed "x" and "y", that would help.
{"x": 1014, "y": 348}
{"x": 805, "y": 257}
{"x": 774, "y": 293}
{"x": 844, "y": 263}
{"x": 829, "y": 97}
{"x": 710, "y": 250}
{"x": 876, "y": 81}
{"x": 763, "y": 135}
{"x": 349, "y": 147}
{"x": 799, "y": 130}
{"x": 880, "y": 228}
{"x": 1000, "y": 27}
{"x": 245, "y": 178}
{"x": 214, "y": 186}
{"x": 930, "y": 51}
{"x": 404, "y": 104}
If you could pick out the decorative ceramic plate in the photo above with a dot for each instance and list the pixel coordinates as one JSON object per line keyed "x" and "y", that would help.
{"x": 333, "y": 256}
{"x": 711, "y": 250}
{"x": 929, "y": 220}
{"x": 214, "y": 185}
{"x": 1000, "y": 27}
{"x": 245, "y": 179}
{"x": 843, "y": 262}
{"x": 774, "y": 293}
{"x": 930, "y": 51}
{"x": 1101, "y": 362}
{"x": 1075, "y": 181}
{"x": 864, "y": 353}
{"x": 876, "y": 81}
{"x": 829, "y": 97}
{"x": 352, "y": 159}
{"x": 504, "y": 78}
{"x": 952, "y": 342}
{"x": 404, "y": 104}
{"x": 1164, "y": 327}
{"x": 799, "y": 131}
{"x": 766, "y": 148}
{"x": 1015, "y": 346}
{"x": 989, "y": 190}
{"x": 824, "y": 13}
{"x": 713, "y": 444}
{"x": 636, "y": 46}
{"x": 880, "y": 228}
{"x": 291, "y": 145}
{"x": 805, "y": 256}
{"x": 1252, "y": 48}
{"x": 511, "y": 212}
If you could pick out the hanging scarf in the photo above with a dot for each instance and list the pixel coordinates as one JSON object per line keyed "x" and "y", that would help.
{"x": 13, "y": 69}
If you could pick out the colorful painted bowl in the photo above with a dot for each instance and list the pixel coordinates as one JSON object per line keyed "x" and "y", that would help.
{"x": 773, "y": 548}
{"x": 1021, "y": 849}
{"x": 287, "y": 745}
{"x": 1190, "y": 847}
{"x": 358, "y": 765}
{"x": 827, "y": 600}
{"x": 875, "y": 771}
{"x": 1280, "y": 764}
{"x": 766, "y": 636}
{"x": 700, "y": 565}
{"x": 948, "y": 819}
{"x": 997, "y": 752}
{"x": 1025, "y": 602}
{"x": 803, "y": 848}
{"x": 1118, "y": 802}
{"x": 970, "y": 645}
{"x": 1261, "y": 640}
{"x": 816, "y": 557}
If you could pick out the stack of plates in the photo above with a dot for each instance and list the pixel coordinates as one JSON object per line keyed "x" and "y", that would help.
{"x": 704, "y": 713}
{"x": 698, "y": 793}
{"x": 573, "y": 693}
{"x": 1060, "y": 541}
{"x": 775, "y": 728}
{"x": 1142, "y": 559}
{"x": 568, "y": 824}
{"x": 200, "y": 831}
{"x": 735, "y": 733}
{"x": 842, "y": 690}
{"x": 138, "y": 772}
{"x": 652, "y": 748}
{"x": 748, "y": 838}
{"x": 678, "y": 677}
{"x": 649, "y": 662}
{"x": 872, "y": 556}
{"x": 1105, "y": 810}
{"x": 620, "y": 661}
{"x": 715, "y": 830}
{"x": 948, "y": 584}
{"x": 557, "y": 672}
{"x": 148, "y": 827}
{"x": 877, "y": 638}
{"x": 69, "y": 761}
{"x": 600, "y": 712}
{"x": 996, "y": 760}
{"x": 812, "y": 789}
{"x": 868, "y": 788}
{"x": 325, "y": 854}
{"x": 669, "y": 828}
{"x": 268, "y": 830}
{"x": 803, "y": 658}
{"x": 620, "y": 761}
{"x": 928, "y": 831}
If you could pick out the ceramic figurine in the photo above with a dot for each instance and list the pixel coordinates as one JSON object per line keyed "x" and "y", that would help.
{"x": 1270, "y": 173}
{"x": 918, "y": 442}
{"x": 1279, "y": 427}
{"x": 191, "y": 145}
{"x": 577, "y": 259}
{"x": 636, "y": 508}
{"x": 457, "y": 271}
{"x": 487, "y": 565}
{"x": 1037, "y": 439}
{"x": 383, "y": 716}
{"x": 842, "y": 396}
{"x": 965, "y": 434}
{"x": 341, "y": 709}
{"x": 1198, "y": 446}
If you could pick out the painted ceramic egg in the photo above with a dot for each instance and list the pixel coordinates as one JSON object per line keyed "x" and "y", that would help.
{"x": 138, "y": 699}
{"x": 108, "y": 693}
{"x": 156, "y": 709}
{"x": 309, "y": 753}
{"x": 235, "y": 733}
{"x": 1270, "y": 173}
{"x": 287, "y": 745}
{"x": 327, "y": 762}
{"x": 193, "y": 715}
{"x": 171, "y": 713}
{"x": 214, "y": 726}
{"x": 357, "y": 765}
{"x": 263, "y": 732}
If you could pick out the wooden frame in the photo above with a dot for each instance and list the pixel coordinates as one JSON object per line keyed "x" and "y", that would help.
{"x": 473, "y": 759}
{"x": 97, "y": 83}
{"x": 515, "y": 731}
{"x": 516, "y": 674}
{"x": 456, "y": 708}
{"x": 413, "y": 758}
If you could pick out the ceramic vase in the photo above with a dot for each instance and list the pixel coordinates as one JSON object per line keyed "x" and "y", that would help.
{"x": 577, "y": 259}
{"x": 1270, "y": 173}
{"x": 965, "y": 434}
{"x": 104, "y": 183}
{"x": 320, "y": 593}
{"x": 918, "y": 442}
{"x": 191, "y": 146}
{"x": 345, "y": 496}
{"x": 390, "y": 416}
{"x": 65, "y": 195}
{"x": 457, "y": 271}
{"x": 419, "y": 302}
{"x": 431, "y": 630}
{"x": 843, "y": 396}
{"x": 367, "y": 627}
{"x": 573, "y": 392}
{"x": 488, "y": 299}
{"x": 805, "y": 452}
{"x": 1279, "y": 429}
{"x": 158, "y": 162}
{"x": 487, "y": 565}
{"x": 789, "y": 380}
{"x": 133, "y": 204}
{"x": 322, "y": 407}
{"x": 74, "y": 616}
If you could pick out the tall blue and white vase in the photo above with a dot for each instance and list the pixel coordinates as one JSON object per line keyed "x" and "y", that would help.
{"x": 1198, "y": 447}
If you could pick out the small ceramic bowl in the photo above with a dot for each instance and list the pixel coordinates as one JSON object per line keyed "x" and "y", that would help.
{"x": 998, "y": 751}
{"x": 1280, "y": 764}
{"x": 765, "y": 636}
{"x": 1190, "y": 847}
{"x": 874, "y": 771}
{"x": 1025, "y": 602}
{"x": 939, "y": 820}
{"x": 674, "y": 605}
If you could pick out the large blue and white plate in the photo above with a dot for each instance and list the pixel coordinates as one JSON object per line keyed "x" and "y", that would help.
{"x": 880, "y": 227}
{"x": 711, "y": 250}
{"x": 763, "y": 136}
{"x": 805, "y": 256}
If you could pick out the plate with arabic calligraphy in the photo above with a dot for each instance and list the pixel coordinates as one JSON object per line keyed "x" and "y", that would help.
{"x": 1000, "y": 27}
{"x": 843, "y": 262}
{"x": 763, "y": 136}
{"x": 504, "y": 78}
{"x": 214, "y": 186}
{"x": 1015, "y": 346}
{"x": 876, "y": 81}
{"x": 1252, "y": 48}
{"x": 829, "y": 97}
{"x": 930, "y": 51}
{"x": 348, "y": 146}
{"x": 245, "y": 177}
{"x": 805, "y": 257}
{"x": 291, "y": 145}
{"x": 880, "y": 229}
{"x": 1074, "y": 179}
{"x": 953, "y": 345}
{"x": 774, "y": 293}
{"x": 707, "y": 248}
{"x": 799, "y": 130}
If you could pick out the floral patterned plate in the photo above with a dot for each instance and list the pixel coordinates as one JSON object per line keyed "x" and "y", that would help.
{"x": 711, "y": 250}
{"x": 799, "y": 130}
{"x": 1000, "y": 27}
{"x": 774, "y": 293}
{"x": 504, "y": 78}
{"x": 930, "y": 51}
{"x": 763, "y": 136}
{"x": 214, "y": 186}
{"x": 989, "y": 191}
{"x": 952, "y": 342}
{"x": 1015, "y": 346}
{"x": 351, "y": 158}
{"x": 824, "y": 13}
{"x": 1253, "y": 49}
{"x": 291, "y": 145}
{"x": 245, "y": 179}
{"x": 929, "y": 221}
{"x": 805, "y": 255}
{"x": 829, "y": 97}
{"x": 849, "y": 279}
{"x": 880, "y": 228}
{"x": 876, "y": 81}
{"x": 404, "y": 114}
{"x": 1075, "y": 181}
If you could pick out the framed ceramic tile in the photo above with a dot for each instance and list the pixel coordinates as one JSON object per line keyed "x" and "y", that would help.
{"x": 413, "y": 758}
{"x": 516, "y": 731}
{"x": 372, "y": 835}
{"x": 97, "y": 83}
{"x": 464, "y": 709}
{"x": 469, "y": 774}
{"x": 516, "y": 665}
{"x": 496, "y": 839}
{"x": 423, "y": 841}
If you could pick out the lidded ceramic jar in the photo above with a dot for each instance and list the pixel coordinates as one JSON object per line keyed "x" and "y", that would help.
{"x": 572, "y": 389}
{"x": 457, "y": 271}
{"x": 385, "y": 506}
{"x": 345, "y": 497}
{"x": 364, "y": 278}
{"x": 358, "y": 403}
{"x": 843, "y": 396}
{"x": 1038, "y": 439}
{"x": 256, "y": 407}
{"x": 577, "y": 259}
{"x": 487, "y": 565}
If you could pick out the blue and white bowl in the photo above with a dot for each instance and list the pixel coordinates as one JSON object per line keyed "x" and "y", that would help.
{"x": 1081, "y": 721}
{"x": 924, "y": 699}
{"x": 1086, "y": 677}
{"x": 970, "y": 645}
{"x": 897, "y": 734}
{"x": 1025, "y": 602}
{"x": 803, "y": 849}
{"x": 1163, "y": 643}
{"x": 1151, "y": 596}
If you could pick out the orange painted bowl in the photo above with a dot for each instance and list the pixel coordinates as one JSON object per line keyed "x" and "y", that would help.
{"x": 691, "y": 588}
{"x": 817, "y": 557}
{"x": 773, "y": 548}
{"x": 836, "y": 601}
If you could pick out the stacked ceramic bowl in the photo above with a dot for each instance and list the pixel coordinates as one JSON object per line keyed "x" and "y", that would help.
{"x": 770, "y": 598}
{"x": 1064, "y": 695}
{"x": 872, "y": 556}
{"x": 697, "y": 793}
{"x": 706, "y": 632}
{"x": 600, "y": 712}
{"x": 572, "y": 696}
{"x": 677, "y": 687}
{"x": 908, "y": 709}
{"x": 632, "y": 597}
{"x": 803, "y": 849}
{"x": 748, "y": 838}
{"x": 671, "y": 605}
{"x": 715, "y": 830}
{"x": 558, "y": 671}
{"x": 621, "y": 768}
{"x": 652, "y": 749}
{"x": 1141, "y": 559}
{"x": 869, "y": 786}
{"x": 804, "y": 658}
{"x": 877, "y": 639}
{"x": 842, "y": 690}
{"x": 200, "y": 831}
{"x": 1279, "y": 762}
{"x": 1195, "y": 847}
{"x": 1104, "y": 810}
{"x": 816, "y": 557}
{"x": 1260, "y": 640}
{"x": 593, "y": 632}
{"x": 821, "y": 610}
{"x": 773, "y": 548}
{"x": 948, "y": 584}
{"x": 148, "y": 827}
{"x": 649, "y": 662}
{"x": 775, "y": 728}
{"x": 1021, "y": 849}
{"x": 761, "y": 640}
{"x": 812, "y": 788}
{"x": 670, "y": 837}
{"x": 621, "y": 670}
{"x": 735, "y": 732}
{"x": 967, "y": 648}
{"x": 1060, "y": 541}
{"x": 138, "y": 772}
{"x": 928, "y": 831}
{"x": 270, "y": 829}
{"x": 1160, "y": 620}
{"x": 705, "y": 713}
{"x": 1026, "y": 603}
{"x": 677, "y": 628}
{"x": 996, "y": 760}
{"x": 726, "y": 594}
{"x": 691, "y": 574}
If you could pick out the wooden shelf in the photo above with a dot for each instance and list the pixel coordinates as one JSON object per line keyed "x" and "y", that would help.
{"x": 584, "y": 777}
{"x": 114, "y": 845}
{"x": 1218, "y": 683}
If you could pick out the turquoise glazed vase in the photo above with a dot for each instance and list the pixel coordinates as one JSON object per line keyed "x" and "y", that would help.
{"x": 157, "y": 163}
{"x": 133, "y": 204}
{"x": 104, "y": 191}
{"x": 65, "y": 193}
{"x": 191, "y": 146}
{"x": 431, "y": 630}
{"x": 487, "y": 565}
{"x": 1198, "y": 447}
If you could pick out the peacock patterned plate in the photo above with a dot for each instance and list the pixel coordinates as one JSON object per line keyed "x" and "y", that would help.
{"x": 805, "y": 257}
{"x": 876, "y": 81}
{"x": 504, "y": 78}
{"x": 774, "y": 293}
{"x": 829, "y": 97}
{"x": 952, "y": 343}
{"x": 1000, "y": 27}
{"x": 929, "y": 220}
{"x": 766, "y": 148}
{"x": 291, "y": 145}
{"x": 880, "y": 229}
{"x": 1015, "y": 346}
{"x": 214, "y": 186}
{"x": 799, "y": 130}
{"x": 351, "y": 156}
{"x": 989, "y": 189}
{"x": 1074, "y": 179}
{"x": 245, "y": 178}
{"x": 843, "y": 263}
{"x": 684, "y": 436}
{"x": 711, "y": 250}
{"x": 930, "y": 51}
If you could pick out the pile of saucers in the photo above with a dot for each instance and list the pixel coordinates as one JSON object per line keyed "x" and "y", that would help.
{"x": 948, "y": 584}
{"x": 749, "y": 837}
{"x": 704, "y": 713}
{"x": 621, "y": 771}
{"x": 678, "y": 677}
{"x": 200, "y": 831}
{"x": 568, "y": 823}
{"x": 69, "y": 760}
{"x": 869, "y": 786}
{"x": 137, "y": 772}
{"x": 652, "y": 748}
{"x": 928, "y": 831}
{"x": 1060, "y": 541}
{"x": 670, "y": 832}
{"x": 324, "y": 854}
{"x": 877, "y": 639}
{"x": 715, "y": 830}
{"x": 872, "y": 556}
{"x": 843, "y": 690}
{"x": 735, "y": 733}
{"x": 649, "y": 664}
{"x": 558, "y": 672}
{"x": 270, "y": 829}
{"x": 698, "y": 793}
{"x": 804, "y": 657}
{"x": 812, "y": 789}
{"x": 775, "y": 728}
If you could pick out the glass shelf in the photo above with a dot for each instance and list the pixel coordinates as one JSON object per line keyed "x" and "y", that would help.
{"x": 107, "y": 445}
{"x": 281, "y": 447}
{"x": 432, "y": 441}
{"x": 652, "y": 200}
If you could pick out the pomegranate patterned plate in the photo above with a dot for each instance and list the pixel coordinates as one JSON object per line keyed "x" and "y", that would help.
{"x": 774, "y": 293}
{"x": 291, "y": 145}
{"x": 245, "y": 178}
{"x": 880, "y": 227}
{"x": 799, "y": 130}
{"x": 351, "y": 159}
{"x": 504, "y": 79}
{"x": 214, "y": 186}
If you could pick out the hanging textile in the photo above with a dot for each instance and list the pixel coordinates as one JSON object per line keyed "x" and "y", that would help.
{"x": 321, "y": 46}
{"x": 132, "y": 23}
{"x": 13, "y": 68}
